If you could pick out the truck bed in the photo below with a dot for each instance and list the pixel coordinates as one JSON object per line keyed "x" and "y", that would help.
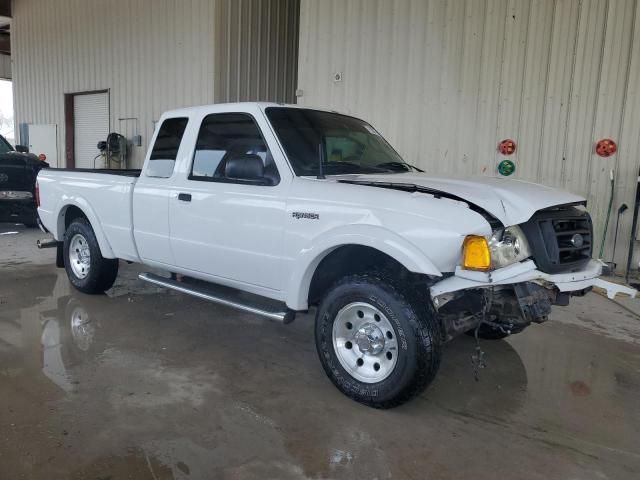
{"x": 104, "y": 196}
{"x": 131, "y": 172}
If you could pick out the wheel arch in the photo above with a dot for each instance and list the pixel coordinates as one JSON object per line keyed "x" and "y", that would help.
{"x": 379, "y": 242}
{"x": 79, "y": 208}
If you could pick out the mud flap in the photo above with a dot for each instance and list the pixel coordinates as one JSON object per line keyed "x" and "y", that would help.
{"x": 59, "y": 256}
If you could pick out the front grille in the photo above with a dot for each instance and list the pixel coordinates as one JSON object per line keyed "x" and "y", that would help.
{"x": 561, "y": 238}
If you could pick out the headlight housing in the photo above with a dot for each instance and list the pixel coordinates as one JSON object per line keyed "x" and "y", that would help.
{"x": 508, "y": 246}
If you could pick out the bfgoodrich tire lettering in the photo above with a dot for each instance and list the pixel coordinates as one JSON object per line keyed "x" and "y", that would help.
{"x": 416, "y": 332}
{"x": 100, "y": 273}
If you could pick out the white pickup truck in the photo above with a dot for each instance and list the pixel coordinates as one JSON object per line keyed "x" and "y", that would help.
{"x": 275, "y": 209}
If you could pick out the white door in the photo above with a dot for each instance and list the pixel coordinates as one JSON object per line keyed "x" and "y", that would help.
{"x": 43, "y": 139}
{"x": 226, "y": 215}
{"x": 91, "y": 125}
{"x": 152, "y": 192}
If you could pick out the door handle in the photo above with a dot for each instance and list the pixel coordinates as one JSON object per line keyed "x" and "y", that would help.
{"x": 185, "y": 197}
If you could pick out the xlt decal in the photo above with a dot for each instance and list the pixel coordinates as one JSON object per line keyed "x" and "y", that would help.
{"x": 307, "y": 215}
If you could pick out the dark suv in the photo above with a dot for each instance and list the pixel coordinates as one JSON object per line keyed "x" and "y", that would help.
{"x": 18, "y": 172}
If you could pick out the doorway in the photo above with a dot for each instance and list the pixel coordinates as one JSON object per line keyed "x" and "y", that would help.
{"x": 87, "y": 120}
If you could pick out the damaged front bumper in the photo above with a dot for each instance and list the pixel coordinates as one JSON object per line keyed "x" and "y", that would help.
{"x": 513, "y": 297}
{"x": 527, "y": 272}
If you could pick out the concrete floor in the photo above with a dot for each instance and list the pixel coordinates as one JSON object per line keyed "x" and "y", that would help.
{"x": 147, "y": 384}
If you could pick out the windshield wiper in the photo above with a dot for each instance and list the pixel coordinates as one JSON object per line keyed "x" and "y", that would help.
{"x": 403, "y": 165}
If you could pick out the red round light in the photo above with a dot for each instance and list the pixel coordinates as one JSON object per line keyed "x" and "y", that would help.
{"x": 42, "y": 157}
{"x": 507, "y": 147}
{"x": 606, "y": 147}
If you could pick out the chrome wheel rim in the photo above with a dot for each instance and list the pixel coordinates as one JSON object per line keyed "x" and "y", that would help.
{"x": 79, "y": 256}
{"x": 365, "y": 342}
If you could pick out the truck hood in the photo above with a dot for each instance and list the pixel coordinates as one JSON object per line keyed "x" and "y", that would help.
{"x": 510, "y": 201}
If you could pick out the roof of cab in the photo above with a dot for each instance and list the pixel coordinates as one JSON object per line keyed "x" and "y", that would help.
{"x": 187, "y": 111}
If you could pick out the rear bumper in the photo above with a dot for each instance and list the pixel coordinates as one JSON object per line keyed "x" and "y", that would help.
{"x": 528, "y": 272}
{"x": 18, "y": 211}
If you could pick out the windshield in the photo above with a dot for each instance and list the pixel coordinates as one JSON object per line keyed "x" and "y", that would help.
{"x": 348, "y": 145}
{"x": 5, "y": 146}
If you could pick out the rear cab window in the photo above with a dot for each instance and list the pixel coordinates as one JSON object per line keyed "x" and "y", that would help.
{"x": 163, "y": 156}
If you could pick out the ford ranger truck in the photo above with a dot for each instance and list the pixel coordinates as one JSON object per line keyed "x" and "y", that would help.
{"x": 278, "y": 209}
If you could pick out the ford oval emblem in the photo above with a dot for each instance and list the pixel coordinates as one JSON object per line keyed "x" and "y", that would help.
{"x": 577, "y": 240}
{"x": 4, "y": 177}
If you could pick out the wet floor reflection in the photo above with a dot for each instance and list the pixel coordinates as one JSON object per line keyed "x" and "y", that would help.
{"x": 164, "y": 386}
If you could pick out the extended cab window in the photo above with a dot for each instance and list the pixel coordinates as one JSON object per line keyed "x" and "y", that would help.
{"x": 165, "y": 149}
{"x": 230, "y": 148}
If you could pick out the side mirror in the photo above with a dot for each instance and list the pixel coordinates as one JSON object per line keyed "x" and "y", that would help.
{"x": 22, "y": 149}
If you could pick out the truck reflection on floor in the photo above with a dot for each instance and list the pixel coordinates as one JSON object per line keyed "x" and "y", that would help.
{"x": 67, "y": 335}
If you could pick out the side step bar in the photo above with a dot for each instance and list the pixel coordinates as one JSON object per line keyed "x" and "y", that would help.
{"x": 225, "y": 296}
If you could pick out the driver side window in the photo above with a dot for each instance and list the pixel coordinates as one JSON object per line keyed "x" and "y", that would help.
{"x": 230, "y": 148}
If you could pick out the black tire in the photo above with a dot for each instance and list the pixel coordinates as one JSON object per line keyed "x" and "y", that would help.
{"x": 415, "y": 325}
{"x": 102, "y": 272}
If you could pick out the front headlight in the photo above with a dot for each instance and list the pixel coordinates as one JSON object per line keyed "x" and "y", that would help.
{"x": 508, "y": 246}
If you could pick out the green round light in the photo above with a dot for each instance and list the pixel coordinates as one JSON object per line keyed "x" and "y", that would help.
{"x": 506, "y": 167}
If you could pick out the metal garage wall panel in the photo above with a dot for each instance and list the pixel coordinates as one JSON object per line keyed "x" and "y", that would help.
{"x": 512, "y": 68}
{"x": 470, "y": 111}
{"x": 256, "y": 51}
{"x": 446, "y": 80}
{"x": 558, "y": 90}
{"x": 578, "y": 149}
{"x": 610, "y": 105}
{"x": 488, "y": 88}
{"x": 629, "y": 153}
{"x": 534, "y": 89}
{"x": 153, "y": 55}
{"x": 5, "y": 67}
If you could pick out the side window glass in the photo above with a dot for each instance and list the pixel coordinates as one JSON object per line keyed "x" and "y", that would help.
{"x": 165, "y": 149}
{"x": 230, "y": 148}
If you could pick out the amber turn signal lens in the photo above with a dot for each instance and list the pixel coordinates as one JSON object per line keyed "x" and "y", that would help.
{"x": 476, "y": 254}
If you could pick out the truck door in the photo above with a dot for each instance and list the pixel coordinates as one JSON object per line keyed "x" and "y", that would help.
{"x": 227, "y": 210}
{"x": 152, "y": 192}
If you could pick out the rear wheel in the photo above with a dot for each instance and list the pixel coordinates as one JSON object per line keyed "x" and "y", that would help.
{"x": 379, "y": 345}
{"x": 87, "y": 269}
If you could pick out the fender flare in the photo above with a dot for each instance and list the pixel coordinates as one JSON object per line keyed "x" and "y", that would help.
{"x": 85, "y": 207}
{"x": 386, "y": 241}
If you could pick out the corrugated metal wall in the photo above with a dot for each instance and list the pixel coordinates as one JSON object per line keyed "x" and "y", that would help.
{"x": 5, "y": 67}
{"x": 152, "y": 55}
{"x": 257, "y": 41}
{"x": 445, "y": 81}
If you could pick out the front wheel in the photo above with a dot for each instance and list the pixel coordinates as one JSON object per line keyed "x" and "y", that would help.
{"x": 377, "y": 342}
{"x": 87, "y": 269}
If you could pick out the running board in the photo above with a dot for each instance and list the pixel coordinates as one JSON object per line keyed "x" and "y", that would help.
{"x": 229, "y": 297}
